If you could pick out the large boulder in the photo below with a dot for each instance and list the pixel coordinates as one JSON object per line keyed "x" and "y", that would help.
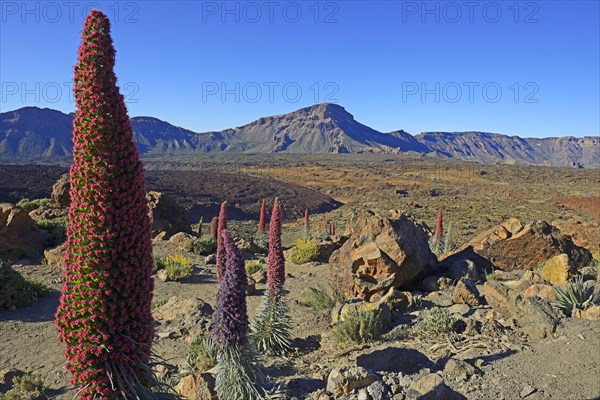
{"x": 167, "y": 216}
{"x": 511, "y": 246}
{"x": 60, "y": 192}
{"x": 18, "y": 233}
{"x": 536, "y": 316}
{"x": 56, "y": 255}
{"x": 382, "y": 251}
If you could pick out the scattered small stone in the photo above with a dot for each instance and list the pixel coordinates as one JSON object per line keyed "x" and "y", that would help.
{"x": 342, "y": 380}
{"x": 466, "y": 293}
{"x": 527, "y": 390}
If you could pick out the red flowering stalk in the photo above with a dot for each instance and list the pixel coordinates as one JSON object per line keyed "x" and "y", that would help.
{"x": 221, "y": 253}
{"x": 104, "y": 316}
{"x": 332, "y": 228}
{"x": 214, "y": 225}
{"x": 276, "y": 261}
{"x": 439, "y": 226}
{"x": 306, "y": 225}
{"x": 270, "y": 327}
{"x": 262, "y": 219}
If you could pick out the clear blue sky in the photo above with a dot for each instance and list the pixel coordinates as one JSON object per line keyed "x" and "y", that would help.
{"x": 384, "y": 61}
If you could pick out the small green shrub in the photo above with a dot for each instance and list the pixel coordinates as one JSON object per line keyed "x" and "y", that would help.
{"x": 304, "y": 250}
{"x": 178, "y": 267}
{"x": 158, "y": 303}
{"x": 159, "y": 263}
{"x": 436, "y": 322}
{"x": 539, "y": 266}
{"x": 253, "y": 266}
{"x": 359, "y": 325}
{"x": 262, "y": 241}
{"x": 30, "y": 205}
{"x": 56, "y": 228}
{"x": 575, "y": 295}
{"x": 26, "y": 387}
{"x": 318, "y": 300}
{"x": 203, "y": 354}
{"x": 203, "y": 246}
{"x": 17, "y": 291}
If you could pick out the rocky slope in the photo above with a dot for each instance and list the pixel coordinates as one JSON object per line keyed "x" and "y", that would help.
{"x": 32, "y": 132}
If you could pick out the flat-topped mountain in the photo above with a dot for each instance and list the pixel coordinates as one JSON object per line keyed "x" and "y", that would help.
{"x": 33, "y": 132}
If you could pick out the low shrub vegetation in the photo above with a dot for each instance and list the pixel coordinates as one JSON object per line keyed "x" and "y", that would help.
{"x": 203, "y": 354}
{"x": 253, "y": 266}
{"x": 26, "y": 387}
{"x": 203, "y": 246}
{"x": 30, "y": 205}
{"x": 318, "y": 300}
{"x": 575, "y": 295}
{"x": 56, "y": 228}
{"x": 436, "y": 322}
{"x": 159, "y": 263}
{"x": 304, "y": 250}
{"x": 17, "y": 291}
{"x": 360, "y": 325}
{"x": 178, "y": 267}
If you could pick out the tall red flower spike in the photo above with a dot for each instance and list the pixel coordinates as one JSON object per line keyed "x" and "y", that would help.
{"x": 306, "y": 225}
{"x": 221, "y": 253}
{"x": 276, "y": 262}
{"x": 214, "y": 225}
{"x": 262, "y": 219}
{"x": 104, "y": 316}
{"x": 439, "y": 226}
{"x": 332, "y": 228}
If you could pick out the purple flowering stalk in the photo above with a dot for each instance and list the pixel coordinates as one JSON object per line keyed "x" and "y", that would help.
{"x": 238, "y": 374}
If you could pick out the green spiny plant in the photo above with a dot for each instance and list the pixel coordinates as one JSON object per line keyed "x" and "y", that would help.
{"x": 575, "y": 295}
{"x": 436, "y": 322}
{"x": 358, "y": 325}
{"x": 318, "y": 300}
{"x": 449, "y": 244}
{"x": 202, "y": 355}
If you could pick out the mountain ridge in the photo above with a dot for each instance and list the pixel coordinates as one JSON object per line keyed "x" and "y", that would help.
{"x": 31, "y": 132}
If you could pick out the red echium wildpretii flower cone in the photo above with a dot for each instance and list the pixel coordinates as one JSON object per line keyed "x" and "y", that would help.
{"x": 276, "y": 261}
{"x": 306, "y": 225}
{"x": 214, "y": 226}
{"x": 439, "y": 226}
{"x": 220, "y": 246}
{"x": 104, "y": 316}
{"x": 262, "y": 220}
